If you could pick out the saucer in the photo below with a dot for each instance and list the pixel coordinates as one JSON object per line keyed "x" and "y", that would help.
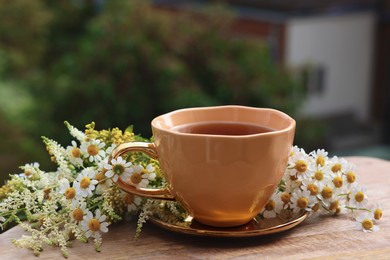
{"x": 256, "y": 227}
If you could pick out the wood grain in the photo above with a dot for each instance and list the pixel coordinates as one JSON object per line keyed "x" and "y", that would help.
{"x": 321, "y": 237}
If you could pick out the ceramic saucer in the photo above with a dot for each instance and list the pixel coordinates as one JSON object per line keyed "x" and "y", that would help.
{"x": 257, "y": 227}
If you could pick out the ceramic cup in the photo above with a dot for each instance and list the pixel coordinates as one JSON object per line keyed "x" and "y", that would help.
{"x": 222, "y": 178}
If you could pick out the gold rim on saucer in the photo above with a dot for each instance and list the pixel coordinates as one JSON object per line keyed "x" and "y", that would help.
{"x": 253, "y": 228}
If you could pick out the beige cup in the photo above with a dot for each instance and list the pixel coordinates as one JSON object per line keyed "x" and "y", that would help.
{"x": 221, "y": 180}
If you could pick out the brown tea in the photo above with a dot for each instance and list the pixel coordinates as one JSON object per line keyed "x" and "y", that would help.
{"x": 222, "y": 128}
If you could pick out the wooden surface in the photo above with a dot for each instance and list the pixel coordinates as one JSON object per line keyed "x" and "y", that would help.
{"x": 317, "y": 237}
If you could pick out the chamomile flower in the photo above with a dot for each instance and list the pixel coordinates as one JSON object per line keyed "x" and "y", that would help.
{"x": 310, "y": 185}
{"x": 300, "y": 166}
{"x": 326, "y": 194}
{"x": 133, "y": 202}
{"x": 377, "y": 211}
{"x": 350, "y": 175}
{"x": 93, "y": 150}
{"x": 320, "y": 175}
{"x": 302, "y": 200}
{"x": 118, "y": 168}
{"x": 337, "y": 164}
{"x": 93, "y": 225}
{"x": 74, "y": 154}
{"x": 140, "y": 176}
{"x": 338, "y": 181}
{"x": 69, "y": 192}
{"x": 320, "y": 157}
{"x": 104, "y": 183}
{"x": 273, "y": 207}
{"x": 78, "y": 209}
{"x": 358, "y": 197}
{"x": 365, "y": 222}
{"x": 85, "y": 182}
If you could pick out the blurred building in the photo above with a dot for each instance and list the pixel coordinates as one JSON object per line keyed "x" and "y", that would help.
{"x": 339, "y": 49}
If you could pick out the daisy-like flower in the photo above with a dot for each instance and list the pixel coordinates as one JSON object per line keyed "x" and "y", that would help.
{"x": 74, "y": 154}
{"x": 302, "y": 200}
{"x": 140, "y": 177}
{"x": 85, "y": 182}
{"x": 104, "y": 183}
{"x": 338, "y": 181}
{"x": 365, "y": 222}
{"x": 93, "y": 225}
{"x": 326, "y": 193}
{"x": 320, "y": 175}
{"x": 273, "y": 207}
{"x": 78, "y": 210}
{"x": 350, "y": 175}
{"x": 337, "y": 164}
{"x": 358, "y": 197}
{"x": 118, "y": 168}
{"x": 300, "y": 166}
{"x": 93, "y": 150}
{"x": 69, "y": 192}
{"x": 133, "y": 202}
{"x": 377, "y": 211}
{"x": 310, "y": 185}
{"x": 320, "y": 156}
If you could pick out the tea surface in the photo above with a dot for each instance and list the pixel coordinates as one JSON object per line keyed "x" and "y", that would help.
{"x": 222, "y": 128}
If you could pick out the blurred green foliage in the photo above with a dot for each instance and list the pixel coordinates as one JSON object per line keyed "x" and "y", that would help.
{"x": 123, "y": 63}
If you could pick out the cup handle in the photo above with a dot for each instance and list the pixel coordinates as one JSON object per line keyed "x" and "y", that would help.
{"x": 149, "y": 149}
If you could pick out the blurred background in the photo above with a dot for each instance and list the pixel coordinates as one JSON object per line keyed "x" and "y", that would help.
{"x": 121, "y": 63}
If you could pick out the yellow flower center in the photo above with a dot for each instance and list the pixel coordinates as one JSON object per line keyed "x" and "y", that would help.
{"x": 301, "y": 166}
{"x": 270, "y": 205}
{"x": 313, "y": 189}
{"x": 70, "y": 193}
{"x": 118, "y": 169}
{"x": 136, "y": 178}
{"x": 85, "y": 182}
{"x": 302, "y": 202}
{"x": 359, "y": 196}
{"x": 285, "y": 197}
{"x": 78, "y": 214}
{"x": 93, "y": 149}
{"x": 351, "y": 177}
{"x": 94, "y": 225}
{"x": 319, "y": 175}
{"x": 99, "y": 177}
{"x": 338, "y": 182}
{"x": 367, "y": 224}
{"x": 76, "y": 152}
{"x": 129, "y": 198}
{"x": 320, "y": 160}
{"x": 327, "y": 192}
{"x": 336, "y": 167}
{"x": 316, "y": 207}
{"x": 378, "y": 214}
{"x": 334, "y": 205}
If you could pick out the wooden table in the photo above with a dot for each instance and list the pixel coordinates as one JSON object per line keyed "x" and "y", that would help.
{"x": 317, "y": 237}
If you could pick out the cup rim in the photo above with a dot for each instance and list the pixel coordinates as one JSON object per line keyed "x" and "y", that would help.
{"x": 290, "y": 126}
